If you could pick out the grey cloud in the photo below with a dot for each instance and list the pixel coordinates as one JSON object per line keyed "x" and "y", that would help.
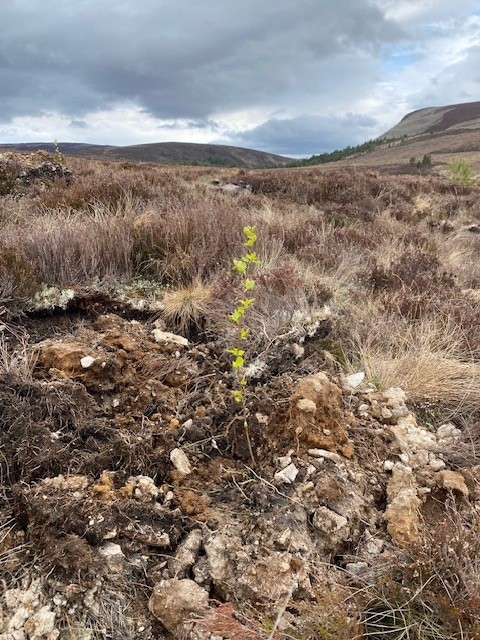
{"x": 190, "y": 61}
{"x": 308, "y": 135}
{"x": 78, "y": 124}
{"x": 458, "y": 82}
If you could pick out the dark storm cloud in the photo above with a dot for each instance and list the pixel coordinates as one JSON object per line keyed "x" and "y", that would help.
{"x": 178, "y": 60}
{"x": 308, "y": 135}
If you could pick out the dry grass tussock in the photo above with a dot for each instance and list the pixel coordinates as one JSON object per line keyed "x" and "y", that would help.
{"x": 428, "y": 359}
{"x": 186, "y": 307}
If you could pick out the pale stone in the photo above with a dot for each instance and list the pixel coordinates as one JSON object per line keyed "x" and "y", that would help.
{"x": 395, "y": 396}
{"x": 169, "y": 338}
{"x": 186, "y": 554}
{"x": 306, "y": 406}
{"x": 402, "y": 512}
{"x": 145, "y": 489}
{"x": 284, "y": 461}
{"x": 287, "y": 475}
{"x": 298, "y": 351}
{"x": 354, "y": 380}
{"x": 329, "y": 522}
{"x": 180, "y": 462}
{"x": 356, "y": 568}
{"x": 375, "y": 546}
{"x": 87, "y": 362}
{"x": 388, "y": 465}
{"x": 113, "y": 556}
{"x": 42, "y": 623}
{"x": 436, "y": 464}
{"x": 452, "y": 481}
{"x": 174, "y": 602}
{"x": 323, "y": 453}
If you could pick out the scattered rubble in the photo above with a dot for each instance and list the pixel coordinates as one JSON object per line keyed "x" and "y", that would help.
{"x": 22, "y": 170}
{"x": 126, "y": 471}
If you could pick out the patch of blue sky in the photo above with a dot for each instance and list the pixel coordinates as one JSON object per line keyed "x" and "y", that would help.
{"x": 395, "y": 58}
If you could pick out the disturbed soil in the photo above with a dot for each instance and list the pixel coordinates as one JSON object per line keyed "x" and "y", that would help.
{"x": 127, "y": 471}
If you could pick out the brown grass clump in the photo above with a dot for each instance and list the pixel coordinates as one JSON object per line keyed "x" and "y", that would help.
{"x": 18, "y": 279}
{"x": 427, "y": 359}
{"x": 185, "y": 307}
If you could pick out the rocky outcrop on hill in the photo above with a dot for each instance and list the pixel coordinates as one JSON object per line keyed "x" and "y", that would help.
{"x": 21, "y": 170}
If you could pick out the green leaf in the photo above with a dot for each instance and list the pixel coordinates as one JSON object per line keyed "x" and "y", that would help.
{"x": 250, "y": 234}
{"x": 238, "y": 362}
{"x": 244, "y": 303}
{"x": 244, "y": 332}
{"x": 237, "y": 395}
{"x": 248, "y": 284}
{"x": 240, "y": 266}
{"x": 236, "y": 352}
{"x": 251, "y": 258}
{"x": 236, "y": 315}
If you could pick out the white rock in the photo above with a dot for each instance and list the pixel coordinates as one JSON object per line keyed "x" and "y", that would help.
{"x": 306, "y": 406}
{"x": 145, "y": 489}
{"x": 436, "y": 464}
{"x": 42, "y": 623}
{"x": 186, "y": 554}
{"x": 395, "y": 396}
{"x": 169, "y": 338}
{"x": 87, "y": 362}
{"x": 174, "y": 602}
{"x": 354, "y": 380}
{"x": 329, "y": 521}
{"x": 298, "y": 351}
{"x": 180, "y": 462}
{"x": 323, "y": 453}
{"x": 375, "y": 546}
{"x": 287, "y": 475}
{"x": 356, "y": 568}
{"x": 284, "y": 461}
{"x": 399, "y": 412}
{"x": 113, "y": 555}
{"x": 388, "y": 465}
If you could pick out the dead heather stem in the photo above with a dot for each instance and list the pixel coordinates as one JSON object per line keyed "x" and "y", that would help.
{"x": 18, "y": 361}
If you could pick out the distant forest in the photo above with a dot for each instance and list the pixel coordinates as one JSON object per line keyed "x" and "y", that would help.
{"x": 339, "y": 154}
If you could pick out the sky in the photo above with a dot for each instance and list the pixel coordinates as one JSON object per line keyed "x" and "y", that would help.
{"x": 293, "y": 77}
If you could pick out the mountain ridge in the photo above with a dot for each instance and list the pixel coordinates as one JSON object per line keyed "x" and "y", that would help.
{"x": 453, "y": 118}
{"x": 163, "y": 153}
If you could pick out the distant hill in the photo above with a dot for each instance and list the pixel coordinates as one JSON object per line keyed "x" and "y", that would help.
{"x": 453, "y": 118}
{"x": 165, "y": 153}
{"x": 435, "y": 133}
